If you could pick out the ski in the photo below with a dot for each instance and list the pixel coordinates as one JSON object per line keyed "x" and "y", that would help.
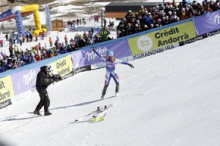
{"x": 95, "y": 116}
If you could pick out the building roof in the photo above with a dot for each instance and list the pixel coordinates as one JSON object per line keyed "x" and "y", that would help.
{"x": 124, "y": 7}
{"x": 133, "y": 4}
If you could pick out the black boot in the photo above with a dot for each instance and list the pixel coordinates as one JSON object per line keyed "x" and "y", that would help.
{"x": 104, "y": 91}
{"x": 36, "y": 112}
{"x": 116, "y": 89}
{"x": 47, "y": 113}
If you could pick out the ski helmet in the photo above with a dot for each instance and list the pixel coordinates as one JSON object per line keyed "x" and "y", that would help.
{"x": 98, "y": 109}
{"x": 110, "y": 53}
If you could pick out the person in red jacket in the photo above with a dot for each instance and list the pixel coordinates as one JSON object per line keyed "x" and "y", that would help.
{"x": 1, "y": 43}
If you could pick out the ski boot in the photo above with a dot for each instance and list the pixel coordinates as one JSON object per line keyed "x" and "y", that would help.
{"x": 94, "y": 119}
{"x": 116, "y": 90}
{"x": 98, "y": 109}
{"x": 101, "y": 118}
{"x": 104, "y": 91}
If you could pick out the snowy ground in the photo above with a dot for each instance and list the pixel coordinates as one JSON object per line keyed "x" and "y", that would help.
{"x": 171, "y": 98}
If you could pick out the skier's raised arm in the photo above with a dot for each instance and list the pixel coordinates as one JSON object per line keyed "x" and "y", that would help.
{"x": 123, "y": 62}
{"x": 99, "y": 55}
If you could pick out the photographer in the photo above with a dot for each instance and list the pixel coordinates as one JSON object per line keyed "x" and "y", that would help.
{"x": 44, "y": 79}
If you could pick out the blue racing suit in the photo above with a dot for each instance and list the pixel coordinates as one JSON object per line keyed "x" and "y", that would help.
{"x": 110, "y": 71}
{"x": 110, "y": 68}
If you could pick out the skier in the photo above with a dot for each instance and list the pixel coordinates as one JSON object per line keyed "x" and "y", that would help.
{"x": 44, "y": 79}
{"x": 110, "y": 62}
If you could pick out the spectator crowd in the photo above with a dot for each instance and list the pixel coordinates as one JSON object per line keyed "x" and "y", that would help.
{"x": 77, "y": 22}
{"x": 18, "y": 57}
{"x": 163, "y": 14}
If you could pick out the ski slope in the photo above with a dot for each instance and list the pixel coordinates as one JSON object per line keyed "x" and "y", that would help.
{"x": 171, "y": 98}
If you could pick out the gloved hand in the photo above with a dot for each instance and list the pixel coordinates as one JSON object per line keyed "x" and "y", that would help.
{"x": 131, "y": 65}
{"x": 60, "y": 78}
{"x": 93, "y": 49}
{"x": 57, "y": 77}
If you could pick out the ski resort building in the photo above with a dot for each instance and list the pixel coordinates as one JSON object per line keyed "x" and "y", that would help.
{"x": 119, "y": 10}
{"x": 3, "y": 5}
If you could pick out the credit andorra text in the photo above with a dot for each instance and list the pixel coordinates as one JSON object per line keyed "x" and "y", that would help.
{"x": 166, "y": 33}
{"x": 171, "y": 39}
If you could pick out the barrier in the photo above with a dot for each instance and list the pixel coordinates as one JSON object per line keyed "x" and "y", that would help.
{"x": 169, "y": 36}
{"x": 6, "y": 91}
{"x": 82, "y": 28}
{"x": 123, "y": 50}
{"x": 207, "y": 23}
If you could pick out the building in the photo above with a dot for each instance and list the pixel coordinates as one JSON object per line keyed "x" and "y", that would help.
{"x": 3, "y": 6}
{"x": 57, "y": 25}
{"x": 119, "y": 10}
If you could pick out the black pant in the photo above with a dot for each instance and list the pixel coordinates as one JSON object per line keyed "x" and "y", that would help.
{"x": 44, "y": 100}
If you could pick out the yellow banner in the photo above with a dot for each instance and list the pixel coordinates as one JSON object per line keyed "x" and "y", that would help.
{"x": 6, "y": 88}
{"x": 62, "y": 66}
{"x": 161, "y": 38}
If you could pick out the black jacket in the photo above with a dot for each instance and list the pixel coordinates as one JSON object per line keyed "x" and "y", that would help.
{"x": 43, "y": 78}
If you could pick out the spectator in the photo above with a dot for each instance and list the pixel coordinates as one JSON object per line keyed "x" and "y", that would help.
{"x": 82, "y": 42}
{"x": 129, "y": 16}
{"x": 20, "y": 40}
{"x": 6, "y": 37}
{"x": 66, "y": 40}
{"x": 50, "y": 41}
{"x": 104, "y": 34}
{"x": 1, "y": 43}
{"x": 97, "y": 39}
{"x": 11, "y": 49}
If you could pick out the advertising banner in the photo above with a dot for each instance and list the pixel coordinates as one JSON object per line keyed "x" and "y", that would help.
{"x": 161, "y": 38}
{"x": 62, "y": 66}
{"x": 120, "y": 49}
{"x": 209, "y": 34}
{"x": 158, "y": 50}
{"x": 207, "y": 23}
{"x": 77, "y": 59}
{"x": 191, "y": 40}
{"x": 25, "y": 80}
{"x": 5, "y": 103}
{"x": 6, "y": 89}
{"x": 6, "y": 15}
